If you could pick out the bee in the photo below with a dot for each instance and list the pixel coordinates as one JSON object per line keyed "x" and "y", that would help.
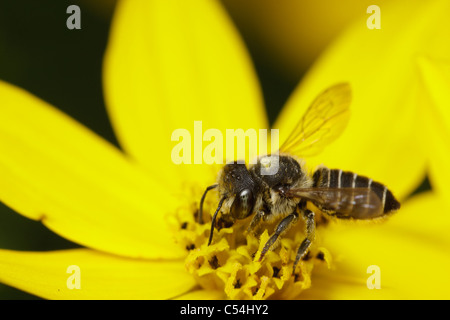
{"x": 284, "y": 195}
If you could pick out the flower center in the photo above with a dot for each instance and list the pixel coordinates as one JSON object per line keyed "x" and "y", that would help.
{"x": 231, "y": 262}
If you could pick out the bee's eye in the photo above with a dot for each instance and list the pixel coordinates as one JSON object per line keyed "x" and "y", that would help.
{"x": 243, "y": 204}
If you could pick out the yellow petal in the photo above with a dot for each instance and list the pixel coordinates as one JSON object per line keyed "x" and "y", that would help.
{"x": 168, "y": 64}
{"x": 410, "y": 249}
{"x": 55, "y": 170}
{"x": 380, "y": 65}
{"x": 89, "y": 274}
{"x": 436, "y": 119}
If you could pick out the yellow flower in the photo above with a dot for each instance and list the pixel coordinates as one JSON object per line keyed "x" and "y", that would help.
{"x": 169, "y": 64}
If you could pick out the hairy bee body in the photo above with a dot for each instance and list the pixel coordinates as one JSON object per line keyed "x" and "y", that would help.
{"x": 276, "y": 196}
{"x": 290, "y": 175}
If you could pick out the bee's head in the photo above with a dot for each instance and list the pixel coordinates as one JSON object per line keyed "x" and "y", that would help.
{"x": 241, "y": 188}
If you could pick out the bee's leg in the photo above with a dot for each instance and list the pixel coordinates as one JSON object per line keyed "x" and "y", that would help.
{"x": 255, "y": 221}
{"x": 308, "y": 215}
{"x": 282, "y": 227}
{"x": 261, "y": 215}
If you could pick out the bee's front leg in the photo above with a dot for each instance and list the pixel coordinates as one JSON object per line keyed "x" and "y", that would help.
{"x": 262, "y": 214}
{"x": 282, "y": 227}
{"x": 308, "y": 215}
{"x": 256, "y": 221}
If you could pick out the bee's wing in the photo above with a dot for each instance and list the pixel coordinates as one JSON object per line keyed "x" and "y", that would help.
{"x": 356, "y": 203}
{"x": 322, "y": 122}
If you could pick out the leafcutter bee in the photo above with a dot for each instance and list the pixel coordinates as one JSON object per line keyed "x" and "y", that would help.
{"x": 283, "y": 196}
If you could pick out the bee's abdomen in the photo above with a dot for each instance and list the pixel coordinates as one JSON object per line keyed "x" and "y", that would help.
{"x": 335, "y": 178}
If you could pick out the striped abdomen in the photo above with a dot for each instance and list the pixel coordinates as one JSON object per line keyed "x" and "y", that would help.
{"x": 335, "y": 178}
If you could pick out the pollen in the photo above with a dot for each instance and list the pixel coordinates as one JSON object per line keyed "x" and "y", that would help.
{"x": 231, "y": 262}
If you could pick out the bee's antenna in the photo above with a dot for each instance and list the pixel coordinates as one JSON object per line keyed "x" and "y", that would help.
{"x": 213, "y": 222}
{"x": 200, "y": 211}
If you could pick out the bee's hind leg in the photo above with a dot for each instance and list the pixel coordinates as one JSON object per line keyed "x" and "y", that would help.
{"x": 308, "y": 215}
{"x": 282, "y": 227}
